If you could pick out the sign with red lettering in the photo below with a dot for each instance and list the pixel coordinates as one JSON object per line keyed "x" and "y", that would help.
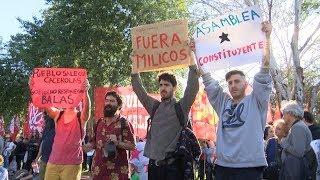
{"x": 230, "y": 40}
{"x": 57, "y": 87}
{"x": 131, "y": 109}
{"x": 160, "y": 46}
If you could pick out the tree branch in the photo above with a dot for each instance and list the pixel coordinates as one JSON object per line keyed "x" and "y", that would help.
{"x": 247, "y": 2}
{"x": 210, "y": 5}
{"x": 309, "y": 38}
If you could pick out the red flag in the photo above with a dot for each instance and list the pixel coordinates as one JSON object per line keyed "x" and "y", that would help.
{"x": 14, "y": 127}
{"x": 26, "y": 128}
{"x": 35, "y": 119}
{"x": 2, "y": 130}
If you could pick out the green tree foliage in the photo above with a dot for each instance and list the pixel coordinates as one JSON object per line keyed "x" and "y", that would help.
{"x": 90, "y": 34}
{"x": 308, "y": 6}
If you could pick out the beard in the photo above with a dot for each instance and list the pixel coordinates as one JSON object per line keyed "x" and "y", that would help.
{"x": 109, "y": 110}
{"x": 165, "y": 95}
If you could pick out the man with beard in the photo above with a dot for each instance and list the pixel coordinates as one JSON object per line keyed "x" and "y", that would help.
{"x": 112, "y": 138}
{"x": 165, "y": 126}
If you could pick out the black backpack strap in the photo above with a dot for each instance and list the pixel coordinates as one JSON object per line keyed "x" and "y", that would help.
{"x": 123, "y": 123}
{"x": 154, "y": 109}
{"x": 180, "y": 115}
{"x": 80, "y": 125}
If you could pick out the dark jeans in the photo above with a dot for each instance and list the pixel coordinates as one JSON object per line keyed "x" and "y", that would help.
{"x": 209, "y": 171}
{"x": 89, "y": 161}
{"x": 173, "y": 171}
{"x": 19, "y": 160}
{"x": 201, "y": 170}
{"x": 84, "y": 163}
{"x": 225, "y": 173}
{"x": 27, "y": 165}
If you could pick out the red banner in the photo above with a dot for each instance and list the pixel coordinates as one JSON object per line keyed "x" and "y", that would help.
{"x": 26, "y": 129}
{"x": 204, "y": 118}
{"x": 57, "y": 87}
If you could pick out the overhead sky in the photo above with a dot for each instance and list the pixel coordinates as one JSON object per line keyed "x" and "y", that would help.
{"x": 10, "y": 10}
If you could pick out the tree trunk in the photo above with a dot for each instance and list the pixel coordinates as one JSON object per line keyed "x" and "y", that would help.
{"x": 278, "y": 80}
{"x": 298, "y": 72}
{"x": 314, "y": 93}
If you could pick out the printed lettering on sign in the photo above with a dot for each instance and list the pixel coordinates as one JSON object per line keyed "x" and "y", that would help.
{"x": 230, "y": 40}
{"x": 57, "y": 87}
{"x": 160, "y": 46}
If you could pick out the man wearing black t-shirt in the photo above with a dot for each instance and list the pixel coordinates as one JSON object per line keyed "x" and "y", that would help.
{"x": 315, "y": 129}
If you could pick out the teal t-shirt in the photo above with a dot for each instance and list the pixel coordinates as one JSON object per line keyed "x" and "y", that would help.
{"x": 134, "y": 176}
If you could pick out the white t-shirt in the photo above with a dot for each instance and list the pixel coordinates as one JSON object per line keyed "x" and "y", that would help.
{"x": 90, "y": 153}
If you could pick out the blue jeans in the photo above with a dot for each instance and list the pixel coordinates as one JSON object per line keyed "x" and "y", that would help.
{"x": 6, "y": 162}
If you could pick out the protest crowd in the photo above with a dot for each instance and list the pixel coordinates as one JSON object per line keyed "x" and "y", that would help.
{"x": 72, "y": 144}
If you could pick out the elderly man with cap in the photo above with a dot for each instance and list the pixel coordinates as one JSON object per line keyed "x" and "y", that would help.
{"x": 296, "y": 145}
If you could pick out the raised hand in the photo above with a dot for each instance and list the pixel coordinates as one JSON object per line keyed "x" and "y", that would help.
{"x": 266, "y": 28}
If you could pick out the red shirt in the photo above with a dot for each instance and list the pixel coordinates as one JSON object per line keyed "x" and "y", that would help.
{"x": 66, "y": 148}
{"x": 106, "y": 168}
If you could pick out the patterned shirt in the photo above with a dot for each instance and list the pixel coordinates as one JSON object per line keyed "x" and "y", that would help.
{"x": 107, "y": 168}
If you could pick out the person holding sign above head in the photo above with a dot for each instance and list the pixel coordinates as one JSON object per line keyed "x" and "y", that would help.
{"x": 66, "y": 156}
{"x": 242, "y": 120}
{"x": 162, "y": 138}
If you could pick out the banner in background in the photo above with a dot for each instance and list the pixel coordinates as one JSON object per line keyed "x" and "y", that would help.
{"x": 204, "y": 118}
{"x": 131, "y": 109}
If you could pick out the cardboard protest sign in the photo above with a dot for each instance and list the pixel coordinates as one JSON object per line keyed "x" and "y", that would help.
{"x": 160, "y": 46}
{"x": 230, "y": 40}
{"x": 131, "y": 109}
{"x": 57, "y": 87}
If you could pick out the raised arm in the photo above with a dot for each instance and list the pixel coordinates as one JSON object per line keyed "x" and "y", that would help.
{"x": 86, "y": 111}
{"x": 267, "y": 29}
{"x": 216, "y": 96}
{"x": 191, "y": 90}
{"x": 146, "y": 100}
{"x": 262, "y": 84}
